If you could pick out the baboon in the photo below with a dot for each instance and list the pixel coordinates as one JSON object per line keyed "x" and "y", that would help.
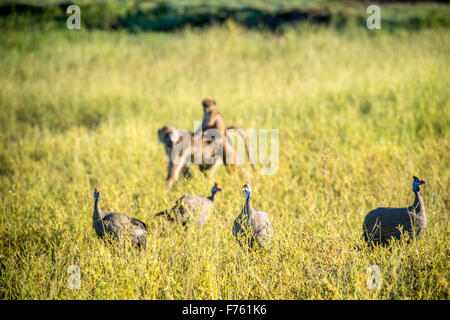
{"x": 212, "y": 119}
{"x": 170, "y": 136}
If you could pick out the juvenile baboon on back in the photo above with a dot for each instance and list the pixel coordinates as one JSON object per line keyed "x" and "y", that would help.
{"x": 212, "y": 119}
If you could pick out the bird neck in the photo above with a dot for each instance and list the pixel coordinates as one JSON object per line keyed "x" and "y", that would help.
{"x": 98, "y": 213}
{"x": 418, "y": 205}
{"x": 248, "y": 208}
{"x": 211, "y": 197}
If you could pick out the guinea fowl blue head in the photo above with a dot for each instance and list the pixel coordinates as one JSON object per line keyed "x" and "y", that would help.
{"x": 417, "y": 183}
{"x": 97, "y": 195}
{"x": 215, "y": 189}
{"x": 247, "y": 190}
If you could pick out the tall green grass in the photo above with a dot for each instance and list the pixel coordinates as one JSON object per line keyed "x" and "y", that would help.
{"x": 359, "y": 113}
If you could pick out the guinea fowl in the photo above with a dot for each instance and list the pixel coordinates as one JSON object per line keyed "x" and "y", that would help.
{"x": 189, "y": 206}
{"x": 252, "y": 225}
{"x": 382, "y": 224}
{"x": 118, "y": 225}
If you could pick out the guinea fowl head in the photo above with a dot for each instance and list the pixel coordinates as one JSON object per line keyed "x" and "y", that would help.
{"x": 247, "y": 190}
{"x": 216, "y": 189}
{"x": 417, "y": 183}
{"x": 97, "y": 195}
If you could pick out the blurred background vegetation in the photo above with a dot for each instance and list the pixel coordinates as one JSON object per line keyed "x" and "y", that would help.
{"x": 273, "y": 15}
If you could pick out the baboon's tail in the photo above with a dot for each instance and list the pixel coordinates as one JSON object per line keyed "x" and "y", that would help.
{"x": 242, "y": 135}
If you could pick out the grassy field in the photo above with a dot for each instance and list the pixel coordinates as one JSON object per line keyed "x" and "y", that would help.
{"x": 359, "y": 113}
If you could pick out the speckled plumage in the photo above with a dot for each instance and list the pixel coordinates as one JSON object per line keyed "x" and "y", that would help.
{"x": 118, "y": 225}
{"x": 190, "y": 207}
{"x": 382, "y": 224}
{"x": 252, "y": 226}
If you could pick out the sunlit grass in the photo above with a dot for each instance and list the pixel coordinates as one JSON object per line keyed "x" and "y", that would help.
{"x": 359, "y": 113}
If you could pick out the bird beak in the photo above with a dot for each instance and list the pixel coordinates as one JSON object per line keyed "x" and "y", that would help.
{"x": 422, "y": 181}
